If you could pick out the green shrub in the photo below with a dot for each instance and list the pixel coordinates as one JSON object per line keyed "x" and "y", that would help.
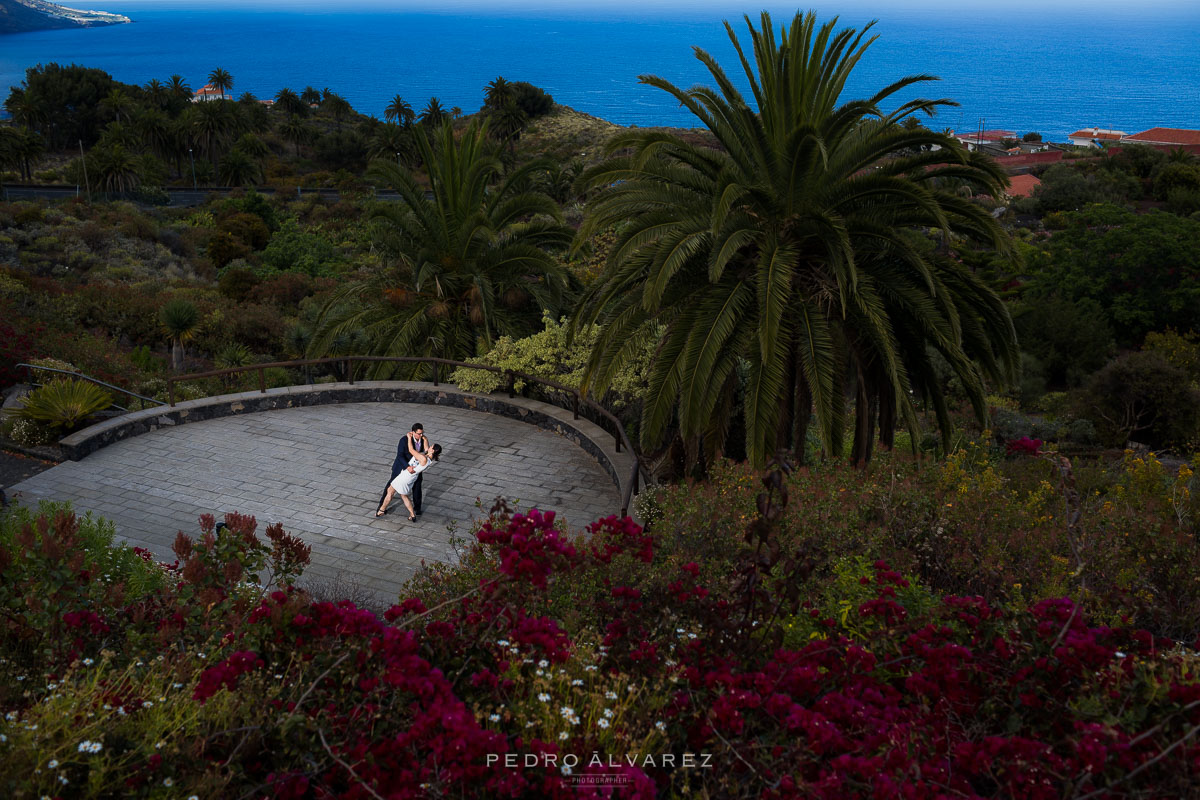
{"x": 64, "y": 404}
{"x": 1143, "y": 398}
{"x": 27, "y": 432}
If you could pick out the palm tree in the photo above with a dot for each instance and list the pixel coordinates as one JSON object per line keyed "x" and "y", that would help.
{"x": 399, "y": 111}
{"x": 433, "y": 114}
{"x": 212, "y": 126}
{"x": 118, "y": 104}
{"x": 791, "y": 249}
{"x": 222, "y": 80}
{"x": 456, "y": 112}
{"x": 156, "y": 93}
{"x": 252, "y": 146}
{"x": 178, "y": 90}
{"x": 20, "y": 147}
{"x": 297, "y": 131}
{"x": 339, "y": 107}
{"x": 114, "y": 168}
{"x": 311, "y": 96}
{"x": 390, "y": 141}
{"x": 471, "y": 260}
{"x": 181, "y": 321}
{"x": 238, "y": 169}
{"x": 497, "y": 93}
{"x": 290, "y": 103}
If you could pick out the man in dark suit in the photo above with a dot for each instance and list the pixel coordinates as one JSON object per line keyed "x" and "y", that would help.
{"x": 412, "y": 443}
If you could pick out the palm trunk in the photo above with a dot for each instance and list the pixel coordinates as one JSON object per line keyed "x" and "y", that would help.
{"x": 801, "y": 413}
{"x": 177, "y": 356}
{"x": 887, "y": 419}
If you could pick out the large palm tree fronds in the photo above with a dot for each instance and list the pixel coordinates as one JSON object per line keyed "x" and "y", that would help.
{"x": 809, "y": 205}
{"x": 469, "y": 256}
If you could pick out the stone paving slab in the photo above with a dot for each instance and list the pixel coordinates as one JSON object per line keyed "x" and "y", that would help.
{"x": 320, "y": 471}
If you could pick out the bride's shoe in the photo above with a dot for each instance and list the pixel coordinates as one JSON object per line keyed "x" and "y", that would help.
{"x": 412, "y": 519}
{"x": 380, "y": 513}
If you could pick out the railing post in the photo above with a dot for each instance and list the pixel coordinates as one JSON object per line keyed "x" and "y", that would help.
{"x": 575, "y": 397}
{"x": 435, "y": 373}
{"x": 171, "y": 392}
{"x": 512, "y": 379}
{"x": 262, "y": 380}
{"x": 350, "y": 370}
{"x": 617, "y": 436}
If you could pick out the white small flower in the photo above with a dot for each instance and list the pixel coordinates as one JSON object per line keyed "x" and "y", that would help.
{"x": 139, "y": 664}
{"x": 494, "y": 717}
{"x": 566, "y": 770}
{"x": 201, "y": 655}
{"x": 662, "y": 726}
{"x": 526, "y": 660}
{"x": 121, "y": 710}
{"x": 610, "y": 695}
{"x": 590, "y": 668}
{"x": 577, "y": 682}
{"x": 85, "y": 746}
{"x": 563, "y": 735}
{"x": 160, "y": 745}
{"x": 20, "y": 677}
{"x": 538, "y": 672}
{"x": 63, "y": 780}
{"x": 3, "y": 738}
{"x": 502, "y": 642}
{"x": 1119, "y": 654}
{"x": 543, "y": 663}
{"x": 513, "y": 650}
{"x": 691, "y": 636}
{"x": 671, "y": 663}
{"x": 603, "y": 723}
{"x": 278, "y": 677}
{"x": 53, "y": 763}
{"x": 567, "y": 711}
{"x": 608, "y": 712}
{"x": 10, "y": 716}
{"x": 87, "y": 662}
{"x": 545, "y": 698}
{"x": 529, "y": 724}
{"x": 679, "y": 630}
{"x": 197, "y": 797}
{"x": 147, "y": 704}
{"x": 168, "y": 782}
{"x": 176, "y": 685}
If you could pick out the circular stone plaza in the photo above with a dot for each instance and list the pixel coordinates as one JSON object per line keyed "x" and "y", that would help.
{"x": 317, "y": 459}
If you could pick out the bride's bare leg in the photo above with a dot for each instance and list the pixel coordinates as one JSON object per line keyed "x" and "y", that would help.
{"x": 387, "y": 500}
{"x": 408, "y": 504}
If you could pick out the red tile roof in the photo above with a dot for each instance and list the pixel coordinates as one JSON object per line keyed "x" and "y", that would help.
{"x": 1029, "y": 159}
{"x": 1022, "y": 185}
{"x": 1166, "y": 136}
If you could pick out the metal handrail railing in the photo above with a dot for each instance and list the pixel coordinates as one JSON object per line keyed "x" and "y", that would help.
{"x": 31, "y": 367}
{"x": 349, "y": 362}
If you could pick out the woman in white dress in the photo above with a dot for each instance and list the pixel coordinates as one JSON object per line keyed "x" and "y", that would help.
{"x": 403, "y": 483}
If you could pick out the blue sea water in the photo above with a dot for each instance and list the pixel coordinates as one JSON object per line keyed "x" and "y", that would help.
{"x": 1047, "y": 67}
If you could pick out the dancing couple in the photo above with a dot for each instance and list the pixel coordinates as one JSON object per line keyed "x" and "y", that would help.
{"x": 414, "y": 455}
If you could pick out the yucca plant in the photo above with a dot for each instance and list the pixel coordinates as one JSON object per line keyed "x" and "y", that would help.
{"x": 64, "y": 404}
{"x": 181, "y": 320}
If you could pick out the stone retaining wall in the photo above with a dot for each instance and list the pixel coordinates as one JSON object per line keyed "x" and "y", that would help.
{"x": 594, "y": 440}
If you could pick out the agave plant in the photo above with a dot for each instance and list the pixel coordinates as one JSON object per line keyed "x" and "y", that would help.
{"x": 64, "y": 404}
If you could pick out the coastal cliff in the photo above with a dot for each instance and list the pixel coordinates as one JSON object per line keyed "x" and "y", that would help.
{"x": 22, "y": 16}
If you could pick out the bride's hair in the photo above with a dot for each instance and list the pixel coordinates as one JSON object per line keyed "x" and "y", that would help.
{"x": 437, "y": 451}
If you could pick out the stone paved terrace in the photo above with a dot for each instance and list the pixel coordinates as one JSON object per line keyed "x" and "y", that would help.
{"x": 320, "y": 470}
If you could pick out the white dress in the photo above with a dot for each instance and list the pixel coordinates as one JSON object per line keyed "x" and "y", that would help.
{"x": 403, "y": 482}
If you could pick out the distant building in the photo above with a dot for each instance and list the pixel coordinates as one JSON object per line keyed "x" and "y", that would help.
{"x": 209, "y": 92}
{"x": 1095, "y": 137}
{"x": 1170, "y": 137}
{"x": 1022, "y": 185}
{"x": 976, "y": 140}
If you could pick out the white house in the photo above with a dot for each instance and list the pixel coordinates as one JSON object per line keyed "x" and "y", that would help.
{"x": 1095, "y": 137}
{"x": 209, "y": 92}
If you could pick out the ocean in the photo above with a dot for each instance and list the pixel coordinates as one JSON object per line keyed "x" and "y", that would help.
{"x": 1046, "y": 67}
